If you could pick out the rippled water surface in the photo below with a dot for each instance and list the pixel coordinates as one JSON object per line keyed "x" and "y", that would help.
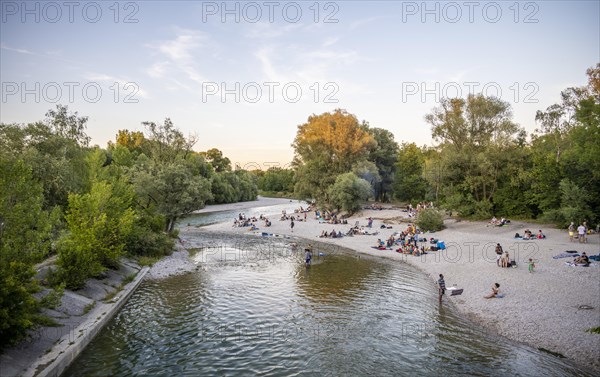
{"x": 253, "y": 308}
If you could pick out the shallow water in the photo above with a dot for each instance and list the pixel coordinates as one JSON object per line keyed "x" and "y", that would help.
{"x": 254, "y": 308}
{"x": 273, "y": 212}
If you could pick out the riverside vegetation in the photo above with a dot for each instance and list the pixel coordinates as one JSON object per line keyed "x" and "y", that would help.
{"x": 90, "y": 206}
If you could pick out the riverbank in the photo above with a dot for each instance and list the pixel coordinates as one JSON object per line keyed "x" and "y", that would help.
{"x": 48, "y": 351}
{"x": 549, "y": 309}
{"x": 260, "y": 201}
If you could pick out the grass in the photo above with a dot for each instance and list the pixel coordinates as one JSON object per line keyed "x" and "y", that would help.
{"x": 594, "y": 330}
{"x": 118, "y": 289}
{"x": 147, "y": 261}
{"x": 45, "y": 321}
{"x": 111, "y": 295}
{"x": 89, "y": 307}
{"x": 193, "y": 251}
{"x": 129, "y": 278}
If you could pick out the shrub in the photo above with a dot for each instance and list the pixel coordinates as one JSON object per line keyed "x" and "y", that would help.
{"x": 430, "y": 219}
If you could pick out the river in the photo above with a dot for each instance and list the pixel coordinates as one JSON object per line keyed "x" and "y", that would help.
{"x": 254, "y": 308}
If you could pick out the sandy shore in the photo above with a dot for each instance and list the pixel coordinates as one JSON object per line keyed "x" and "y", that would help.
{"x": 259, "y": 202}
{"x": 546, "y": 309}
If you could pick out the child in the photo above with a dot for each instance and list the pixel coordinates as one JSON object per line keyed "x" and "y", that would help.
{"x": 531, "y": 265}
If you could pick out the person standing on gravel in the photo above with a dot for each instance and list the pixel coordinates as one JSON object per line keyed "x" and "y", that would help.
{"x": 581, "y": 229}
{"x": 499, "y": 253}
{"x": 571, "y": 231}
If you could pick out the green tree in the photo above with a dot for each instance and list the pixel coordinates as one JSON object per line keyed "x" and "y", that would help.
{"x": 217, "y": 160}
{"x": 26, "y": 232}
{"x": 276, "y": 179}
{"x": 173, "y": 190}
{"x": 477, "y": 139}
{"x": 410, "y": 184}
{"x": 384, "y": 156}
{"x": 349, "y": 191}
{"x": 99, "y": 224}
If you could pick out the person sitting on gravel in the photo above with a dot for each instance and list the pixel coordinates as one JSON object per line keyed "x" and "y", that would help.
{"x": 582, "y": 259}
{"x": 541, "y": 235}
{"x": 495, "y": 291}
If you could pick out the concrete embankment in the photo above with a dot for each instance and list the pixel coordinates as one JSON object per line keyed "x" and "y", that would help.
{"x": 81, "y": 315}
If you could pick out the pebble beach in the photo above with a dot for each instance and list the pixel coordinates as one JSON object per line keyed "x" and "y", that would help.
{"x": 549, "y": 309}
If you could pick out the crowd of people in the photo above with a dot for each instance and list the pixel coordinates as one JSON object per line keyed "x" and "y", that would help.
{"x": 332, "y": 234}
{"x": 528, "y": 235}
{"x": 414, "y": 211}
{"x": 582, "y": 232}
{"x": 241, "y": 221}
{"x": 495, "y": 222}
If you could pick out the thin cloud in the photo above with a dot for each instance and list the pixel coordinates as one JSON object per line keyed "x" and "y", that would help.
{"x": 179, "y": 54}
{"x": 18, "y": 50}
{"x": 102, "y": 77}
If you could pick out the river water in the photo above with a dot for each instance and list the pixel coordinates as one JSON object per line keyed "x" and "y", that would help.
{"x": 254, "y": 308}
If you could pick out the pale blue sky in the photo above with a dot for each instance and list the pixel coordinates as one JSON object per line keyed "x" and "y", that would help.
{"x": 376, "y": 61}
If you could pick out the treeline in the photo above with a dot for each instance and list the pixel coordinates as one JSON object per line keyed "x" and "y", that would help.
{"x": 484, "y": 164}
{"x": 91, "y": 206}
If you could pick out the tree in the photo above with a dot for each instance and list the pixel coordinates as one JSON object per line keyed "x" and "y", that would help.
{"x": 134, "y": 141}
{"x": 174, "y": 190}
{"x": 477, "y": 139}
{"x": 217, "y": 160}
{"x": 26, "y": 233}
{"x": 166, "y": 144}
{"x": 409, "y": 183}
{"x": 99, "y": 224}
{"x": 384, "y": 156}
{"x": 326, "y": 146}
{"x": 68, "y": 125}
{"x": 349, "y": 191}
{"x": 368, "y": 171}
{"x": 566, "y": 153}
{"x": 276, "y": 179}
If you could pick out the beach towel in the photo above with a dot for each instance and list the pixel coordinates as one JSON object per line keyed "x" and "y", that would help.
{"x": 595, "y": 257}
{"x": 565, "y": 255}
{"x": 441, "y": 245}
{"x": 499, "y": 295}
{"x": 572, "y": 264}
{"x": 380, "y": 248}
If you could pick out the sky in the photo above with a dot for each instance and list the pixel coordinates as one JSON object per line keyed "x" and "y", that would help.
{"x": 242, "y": 76}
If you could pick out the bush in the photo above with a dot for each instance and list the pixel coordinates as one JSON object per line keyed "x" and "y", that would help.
{"x": 430, "y": 220}
{"x": 348, "y": 192}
